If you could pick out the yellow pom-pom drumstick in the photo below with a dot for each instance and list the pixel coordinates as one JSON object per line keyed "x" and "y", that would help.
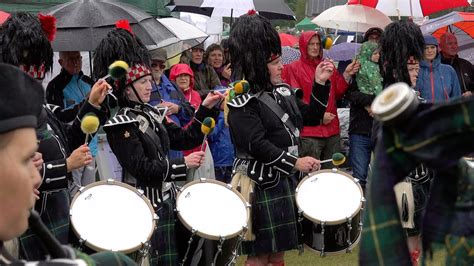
{"x": 117, "y": 70}
{"x": 89, "y": 124}
{"x": 207, "y": 126}
{"x": 337, "y": 159}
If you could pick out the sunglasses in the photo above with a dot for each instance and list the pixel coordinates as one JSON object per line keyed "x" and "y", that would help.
{"x": 161, "y": 65}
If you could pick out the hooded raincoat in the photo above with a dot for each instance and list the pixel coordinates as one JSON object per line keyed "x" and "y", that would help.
{"x": 300, "y": 74}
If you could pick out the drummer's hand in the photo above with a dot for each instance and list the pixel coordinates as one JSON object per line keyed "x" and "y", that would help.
{"x": 467, "y": 94}
{"x": 212, "y": 98}
{"x": 80, "y": 157}
{"x": 195, "y": 159}
{"x": 99, "y": 92}
{"x": 307, "y": 164}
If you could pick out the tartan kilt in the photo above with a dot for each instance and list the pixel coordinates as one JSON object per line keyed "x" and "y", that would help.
{"x": 273, "y": 220}
{"x": 460, "y": 250}
{"x": 164, "y": 248}
{"x": 55, "y": 215}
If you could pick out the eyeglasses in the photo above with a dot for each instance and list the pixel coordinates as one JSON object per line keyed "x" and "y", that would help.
{"x": 161, "y": 65}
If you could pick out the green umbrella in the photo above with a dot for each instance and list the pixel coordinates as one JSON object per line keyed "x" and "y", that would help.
{"x": 306, "y": 24}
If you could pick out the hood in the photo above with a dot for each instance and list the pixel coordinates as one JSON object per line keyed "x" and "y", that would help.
{"x": 303, "y": 43}
{"x": 179, "y": 69}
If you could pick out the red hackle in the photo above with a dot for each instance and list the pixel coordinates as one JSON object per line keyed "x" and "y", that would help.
{"x": 123, "y": 24}
{"x": 48, "y": 24}
{"x": 251, "y": 12}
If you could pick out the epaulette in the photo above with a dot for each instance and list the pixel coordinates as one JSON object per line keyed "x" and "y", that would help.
{"x": 240, "y": 100}
{"x": 52, "y": 107}
{"x": 120, "y": 118}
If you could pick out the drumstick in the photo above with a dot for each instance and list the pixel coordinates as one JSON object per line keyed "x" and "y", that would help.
{"x": 207, "y": 126}
{"x": 117, "y": 70}
{"x": 89, "y": 124}
{"x": 337, "y": 159}
{"x": 239, "y": 87}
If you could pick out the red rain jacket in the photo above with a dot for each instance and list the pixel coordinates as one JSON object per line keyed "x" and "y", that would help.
{"x": 300, "y": 74}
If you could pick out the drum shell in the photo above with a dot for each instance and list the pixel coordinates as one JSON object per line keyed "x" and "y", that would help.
{"x": 335, "y": 238}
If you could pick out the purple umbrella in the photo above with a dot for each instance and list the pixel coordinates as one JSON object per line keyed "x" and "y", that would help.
{"x": 343, "y": 51}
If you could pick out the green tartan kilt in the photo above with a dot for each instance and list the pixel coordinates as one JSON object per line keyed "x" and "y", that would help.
{"x": 164, "y": 249}
{"x": 460, "y": 250}
{"x": 55, "y": 215}
{"x": 273, "y": 220}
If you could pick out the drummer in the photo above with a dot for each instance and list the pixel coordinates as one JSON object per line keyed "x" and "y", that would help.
{"x": 140, "y": 136}
{"x": 264, "y": 126}
{"x": 62, "y": 146}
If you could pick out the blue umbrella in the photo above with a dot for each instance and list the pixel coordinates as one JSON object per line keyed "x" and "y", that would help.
{"x": 343, "y": 51}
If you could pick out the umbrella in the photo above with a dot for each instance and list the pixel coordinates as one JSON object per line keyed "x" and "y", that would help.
{"x": 3, "y": 16}
{"x": 412, "y": 8}
{"x": 271, "y": 9}
{"x": 82, "y": 24}
{"x": 289, "y": 55}
{"x": 306, "y": 24}
{"x": 288, "y": 39}
{"x": 461, "y": 24}
{"x": 189, "y": 35}
{"x": 343, "y": 51}
{"x": 343, "y": 38}
{"x": 356, "y": 18}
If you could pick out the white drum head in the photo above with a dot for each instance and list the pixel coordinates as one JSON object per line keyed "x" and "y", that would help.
{"x": 112, "y": 216}
{"x": 212, "y": 208}
{"x": 329, "y": 196}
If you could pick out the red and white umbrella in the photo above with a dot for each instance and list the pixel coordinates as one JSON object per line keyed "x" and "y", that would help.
{"x": 412, "y": 8}
{"x": 3, "y": 16}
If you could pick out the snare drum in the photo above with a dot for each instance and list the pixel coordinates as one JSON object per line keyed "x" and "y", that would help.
{"x": 112, "y": 216}
{"x": 212, "y": 209}
{"x": 331, "y": 201}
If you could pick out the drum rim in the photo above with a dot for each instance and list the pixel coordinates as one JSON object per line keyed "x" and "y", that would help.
{"x": 342, "y": 251}
{"x": 228, "y": 186}
{"x": 115, "y": 183}
{"x": 337, "y": 171}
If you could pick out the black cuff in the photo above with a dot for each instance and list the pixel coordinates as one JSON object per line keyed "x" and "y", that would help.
{"x": 284, "y": 163}
{"x": 177, "y": 170}
{"x": 54, "y": 175}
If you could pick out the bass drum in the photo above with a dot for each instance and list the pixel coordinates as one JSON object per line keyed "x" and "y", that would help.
{"x": 331, "y": 202}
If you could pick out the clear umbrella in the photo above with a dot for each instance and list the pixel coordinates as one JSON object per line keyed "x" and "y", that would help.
{"x": 357, "y": 18}
{"x": 189, "y": 36}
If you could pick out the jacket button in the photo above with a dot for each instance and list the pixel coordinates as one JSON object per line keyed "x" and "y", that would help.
{"x": 252, "y": 172}
{"x": 173, "y": 176}
{"x": 173, "y": 166}
{"x": 260, "y": 179}
{"x": 49, "y": 166}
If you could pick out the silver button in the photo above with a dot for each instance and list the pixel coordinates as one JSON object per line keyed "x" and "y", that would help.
{"x": 173, "y": 176}
{"x": 283, "y": 160}
{"x": 260, "y": 179}
{"x": 49, "y": 166}
{"x": 252, "y": 172}
{"x": 173, "y": 166}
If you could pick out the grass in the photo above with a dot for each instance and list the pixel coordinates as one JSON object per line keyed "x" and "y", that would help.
{"x": 311, "y": 258}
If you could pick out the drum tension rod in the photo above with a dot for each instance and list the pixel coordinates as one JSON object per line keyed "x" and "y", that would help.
{"x": 219, "y": 249}
{"x": 193, "y": 233}
{"x": 323, "y": 254}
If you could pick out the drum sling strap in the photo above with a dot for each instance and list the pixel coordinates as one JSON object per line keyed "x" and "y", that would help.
{"x": 276, "y": 109}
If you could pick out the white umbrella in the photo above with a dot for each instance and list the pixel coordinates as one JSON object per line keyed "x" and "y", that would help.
{"x": 187, "y": 34}
{"x": 356, "y": 18}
